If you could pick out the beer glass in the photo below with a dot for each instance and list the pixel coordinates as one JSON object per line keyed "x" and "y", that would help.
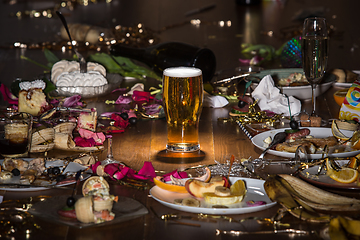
{"x": 183, "y": 95}
{"x": 15, "y": 135}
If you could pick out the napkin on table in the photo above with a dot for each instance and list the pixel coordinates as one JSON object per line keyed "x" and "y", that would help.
{"x": 269, "y": 98}
{"x": 214, "y": 101}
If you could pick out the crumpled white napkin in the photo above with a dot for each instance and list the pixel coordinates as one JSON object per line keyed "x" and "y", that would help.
{"x": 270, "y": 98}
{"x": 214, "y": 101}
{"x": 137, "y": 87}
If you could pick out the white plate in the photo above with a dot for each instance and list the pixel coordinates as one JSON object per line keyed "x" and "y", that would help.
{"x": 319, "y": 132}
{"x": 255, "y": 192}
{"x": 114, "y": 81}
{"x": 72, "y": 168}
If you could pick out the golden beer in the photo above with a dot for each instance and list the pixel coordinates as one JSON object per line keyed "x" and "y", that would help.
{"x": 183, "y": 95}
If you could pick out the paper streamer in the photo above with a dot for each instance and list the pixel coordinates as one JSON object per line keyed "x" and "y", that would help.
{"x": 244, "y": 130}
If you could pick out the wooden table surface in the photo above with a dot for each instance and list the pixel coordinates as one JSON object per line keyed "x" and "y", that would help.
{"x": 147, "y": 139}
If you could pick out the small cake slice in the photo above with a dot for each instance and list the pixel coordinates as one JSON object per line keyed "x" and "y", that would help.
{"x": 87, "y": 120}
{"x": 32, "y": 100}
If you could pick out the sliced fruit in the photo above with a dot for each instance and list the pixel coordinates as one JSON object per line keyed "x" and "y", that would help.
{"x": 169, "y": 187}
{"x": 238, "y": 188}
{"x": 222, "y": 191}
{"x": 353, "y": 163}
{"x": 340, "y": 95}
{"x": 178, "y": 201}
{"x": 190, "y": 202}
{"x": 355, "y": 140}
{"x": 344, "y": 175}
{"x": 212, "y": 198}
{"x": 337, "y": 133}
{"x": 206, "y": 177}
{"x": 198, "y": 188}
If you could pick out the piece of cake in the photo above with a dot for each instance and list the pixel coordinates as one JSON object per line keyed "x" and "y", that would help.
{"x": 32, "y": 99}
{"x": 87, "y": 120}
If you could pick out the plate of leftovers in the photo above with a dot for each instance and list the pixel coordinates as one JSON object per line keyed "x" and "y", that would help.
{"x": 292, "y": 82}
{"x": 37, "y": 174}
{"x": 314, "y": 140}
{"x": 317, "y": 175}
{"x": 51, "y": 209}
{"x": 254, "y": 199}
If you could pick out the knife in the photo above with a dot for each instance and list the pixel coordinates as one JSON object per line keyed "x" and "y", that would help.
{"x": 18, "y": 185}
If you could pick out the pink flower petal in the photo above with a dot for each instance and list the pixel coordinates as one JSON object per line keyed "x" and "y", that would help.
{"x": 93, "y": 167}
{"x": 82, "y": 142}
{"x": 84, "y": 133}
{"x": 71, "y": 101}
{"x": 147, "y": 170}
{"x": 175, "y": 174}
{"x": 152, "y": 109}
{"x": 7, "y": 95}
{"x": 123, "y": 100}
{"x": 116, "y": 171}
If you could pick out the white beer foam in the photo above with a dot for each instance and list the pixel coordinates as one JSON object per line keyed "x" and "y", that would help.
{"x": 182, "y": 72}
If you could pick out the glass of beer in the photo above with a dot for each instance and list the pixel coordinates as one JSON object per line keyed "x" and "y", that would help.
{"x": 183, "y": 95}
{"x": 15, "y": 135}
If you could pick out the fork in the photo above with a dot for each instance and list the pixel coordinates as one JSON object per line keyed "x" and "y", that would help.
{"x": 83, "y": 64}
{"x": 278, "y": 138}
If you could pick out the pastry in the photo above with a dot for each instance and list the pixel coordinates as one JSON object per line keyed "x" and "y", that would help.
{"x": 32, "y": 99}
{"x": 87, "y": 120}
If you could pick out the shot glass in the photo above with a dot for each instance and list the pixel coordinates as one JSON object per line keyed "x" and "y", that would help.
{"x": 15, "y": 135}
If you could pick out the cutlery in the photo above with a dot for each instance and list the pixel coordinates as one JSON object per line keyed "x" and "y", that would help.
{"x": 83, "y": 65}
{"x": 18, "y": 185}
{"x": 232, "y": 78}
{"x": 278, "y": 138}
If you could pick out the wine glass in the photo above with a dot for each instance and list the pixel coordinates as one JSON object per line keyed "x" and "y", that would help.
{"x": 314, "y": 52}
{"x": 110, "y": 157}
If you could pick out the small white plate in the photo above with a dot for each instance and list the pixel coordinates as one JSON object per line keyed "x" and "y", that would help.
{"x": 72, "y": 168}
{"x": 114, "y": 81}
{"x": 319, "y": 132}
{"x": 255, "y": 192}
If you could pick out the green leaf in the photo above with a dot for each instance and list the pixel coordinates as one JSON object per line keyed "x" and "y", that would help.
{"x": 50, "y": 56}
{"x": 49, "y": 86}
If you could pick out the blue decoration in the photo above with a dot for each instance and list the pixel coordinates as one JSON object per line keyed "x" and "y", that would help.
{"x": 291, "y": 54}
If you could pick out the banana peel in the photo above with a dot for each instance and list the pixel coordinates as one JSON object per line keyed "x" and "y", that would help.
{"x": 336, "y": 231}
{"x": 277, "y": 192}
{"x": 341, "y": 228}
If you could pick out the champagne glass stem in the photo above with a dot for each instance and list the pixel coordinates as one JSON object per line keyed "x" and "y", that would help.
{"x": 109, "y": 148}
{"x": 313, "y": 98}
{"x": 109, "y": 158}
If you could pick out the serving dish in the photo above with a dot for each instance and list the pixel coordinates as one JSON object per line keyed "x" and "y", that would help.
{"x": 255, "y": 192}
{"x": 319, "y": 178}
{"x": 346, "y": 84}
{"x": 318, "y": 132}
{"x": 114, "y": 81}
{"x": 125, "y": 209}
{"x": 17, "y": 187}
{"x": 300, "y": 92}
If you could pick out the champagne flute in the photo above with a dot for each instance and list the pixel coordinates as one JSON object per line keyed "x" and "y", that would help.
{"x": 314, "y": 53}
{"x": 110, "y": 157}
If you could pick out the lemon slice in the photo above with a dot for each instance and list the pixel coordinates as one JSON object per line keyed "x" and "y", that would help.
{"x": 355, "y": 140}
{"x": 344, "y": 175}
{"x": 238, "y": 188}
{"x": 337, "y": 133}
